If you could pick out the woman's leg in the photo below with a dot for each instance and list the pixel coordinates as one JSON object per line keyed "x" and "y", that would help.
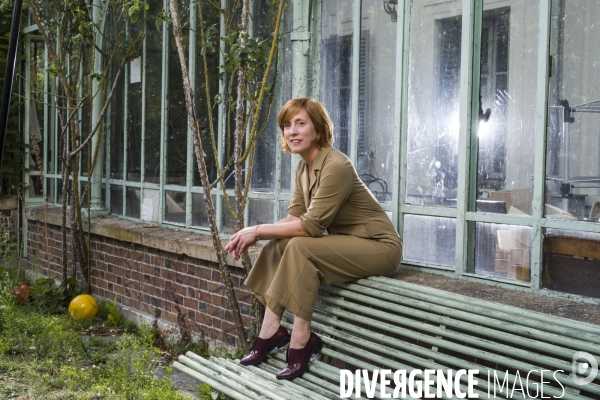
{"x": 300, "y": 333}
{"x": 270, "y": 324}
{"x": 307, "y": 263}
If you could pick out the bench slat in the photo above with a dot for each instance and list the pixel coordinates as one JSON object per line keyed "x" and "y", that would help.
{"x": 436, "y": 340}
{"x": 522, "y": 336}
{"x": 234, "y": 375}
{"x": 234, "y": 394}
{"x": 502, "y": 311}
{"x": 425, "y": 363}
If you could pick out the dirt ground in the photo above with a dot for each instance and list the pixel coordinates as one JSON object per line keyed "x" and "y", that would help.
{"x": 561, "y": 307}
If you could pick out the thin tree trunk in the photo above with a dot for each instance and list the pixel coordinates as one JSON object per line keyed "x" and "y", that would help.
{"x": 240, "y": 126}
{"x": 221, "y": 256}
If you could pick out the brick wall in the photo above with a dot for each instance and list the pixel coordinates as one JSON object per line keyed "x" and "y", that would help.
{"x": 147, "y": 280}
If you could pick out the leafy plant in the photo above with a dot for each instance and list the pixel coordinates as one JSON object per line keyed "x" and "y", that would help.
{"x": 48, "y": 297}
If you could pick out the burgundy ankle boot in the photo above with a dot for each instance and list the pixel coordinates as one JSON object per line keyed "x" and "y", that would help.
{"x": 297, "y": 359}
{"x": 262, "y": 347}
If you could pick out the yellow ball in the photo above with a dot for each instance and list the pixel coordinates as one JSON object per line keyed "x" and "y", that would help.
{"x": 84, "y": 306}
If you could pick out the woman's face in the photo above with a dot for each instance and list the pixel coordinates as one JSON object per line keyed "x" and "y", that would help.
{"x": 300, "y": 134}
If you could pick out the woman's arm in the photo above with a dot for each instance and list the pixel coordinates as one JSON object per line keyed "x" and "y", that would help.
{"x": 287, "y": 227}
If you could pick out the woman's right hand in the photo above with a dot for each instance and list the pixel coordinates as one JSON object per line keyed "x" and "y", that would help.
{"x": 241, "y": 240}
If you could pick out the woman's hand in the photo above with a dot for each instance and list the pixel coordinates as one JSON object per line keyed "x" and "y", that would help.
{"x": 241, "y": 240}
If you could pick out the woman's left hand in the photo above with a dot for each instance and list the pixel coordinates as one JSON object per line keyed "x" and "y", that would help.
{"x": 241, "y": 240}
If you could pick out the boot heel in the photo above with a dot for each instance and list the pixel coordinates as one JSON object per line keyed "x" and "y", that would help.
{"x": 284, "y": 342}
{"x": 316, "y": 352}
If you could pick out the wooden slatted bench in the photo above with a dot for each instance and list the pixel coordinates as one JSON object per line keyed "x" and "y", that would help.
{"x": 382, "y": 323}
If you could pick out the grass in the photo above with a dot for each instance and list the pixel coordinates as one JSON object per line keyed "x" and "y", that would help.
{"x": 46, "y": 354}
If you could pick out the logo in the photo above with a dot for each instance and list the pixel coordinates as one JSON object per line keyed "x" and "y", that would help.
{"x": 581, "y": 368}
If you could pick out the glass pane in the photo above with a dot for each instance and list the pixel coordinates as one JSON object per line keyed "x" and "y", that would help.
{"x": 571, "y": 262}
{"x": 336, "y": 67}
{"x": 177, "y": 132}
{"x": 211, "y": 21}
{"x": 260, "y": 211}
{"x": 133, "y": 202}
{"x": 50, "y": 190}
{"x": 506, "y": 128}
{"x": 36, "y": 109}
{"x": 150, "y": 203}
{"x": 285, "y": 162}
{"x": 283, "y": 209}
{"x": 35, "y": 186}
{"x": 573, "y": 142}
{"x": 429, "y": 240}
{"x": 433, "y": 103}
{"x": 117, "y": 133}
{"x": 503, "y": 251}
{"x": 199, "y": 214}
{"x": 263, "y": 170}
{"x": 375, "y": 150}
{"x": 134, "y": 121}
{"x": 227, "y": 218}
{"x": 116, "y": 200}
{"x": 153, "y": 86}
{"x": 85, "y": 116}
{"x": 53, "y": 129}
{"x": 175, "y": 205}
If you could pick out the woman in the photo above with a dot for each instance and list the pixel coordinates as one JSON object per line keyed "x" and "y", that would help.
{"x": 298, "y": 258}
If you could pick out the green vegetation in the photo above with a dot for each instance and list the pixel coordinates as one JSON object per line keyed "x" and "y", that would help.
{"x": 45, "y": 354}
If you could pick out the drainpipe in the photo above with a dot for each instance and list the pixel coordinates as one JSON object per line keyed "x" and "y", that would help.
{"x": 9, "y": 72}
{"x": 300, "y": 48}
{"x": 97, "y": 206}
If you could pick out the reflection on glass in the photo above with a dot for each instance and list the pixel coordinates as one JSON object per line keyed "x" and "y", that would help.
{"x": 375, "y": 134}
{"x": 153, "y": 86}
{"x": 570, "y": 262}
{"x": 116, "y": 200}
{"x": 133, "y": 202}
{"x": 503, "y": 251}
{"x": 175, "y": 206}
{"x": 199, "y": 214}
{"x": 433, "y": 103}
{"x": 429, "y": 240}
{"x": 260, "y": 211}
{"x": 573, "y": 141}
{"x": 506, "y": 129}
{"x": 336, "y": 67}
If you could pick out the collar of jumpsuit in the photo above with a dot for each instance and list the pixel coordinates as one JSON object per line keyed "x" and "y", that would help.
{"x": 317, "y": 165}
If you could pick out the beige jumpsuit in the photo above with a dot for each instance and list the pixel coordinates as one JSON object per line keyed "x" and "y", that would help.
{"x": 361, "y": 242}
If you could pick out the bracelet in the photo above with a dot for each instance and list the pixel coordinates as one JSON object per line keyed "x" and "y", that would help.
{"x": 256, "y": 232}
